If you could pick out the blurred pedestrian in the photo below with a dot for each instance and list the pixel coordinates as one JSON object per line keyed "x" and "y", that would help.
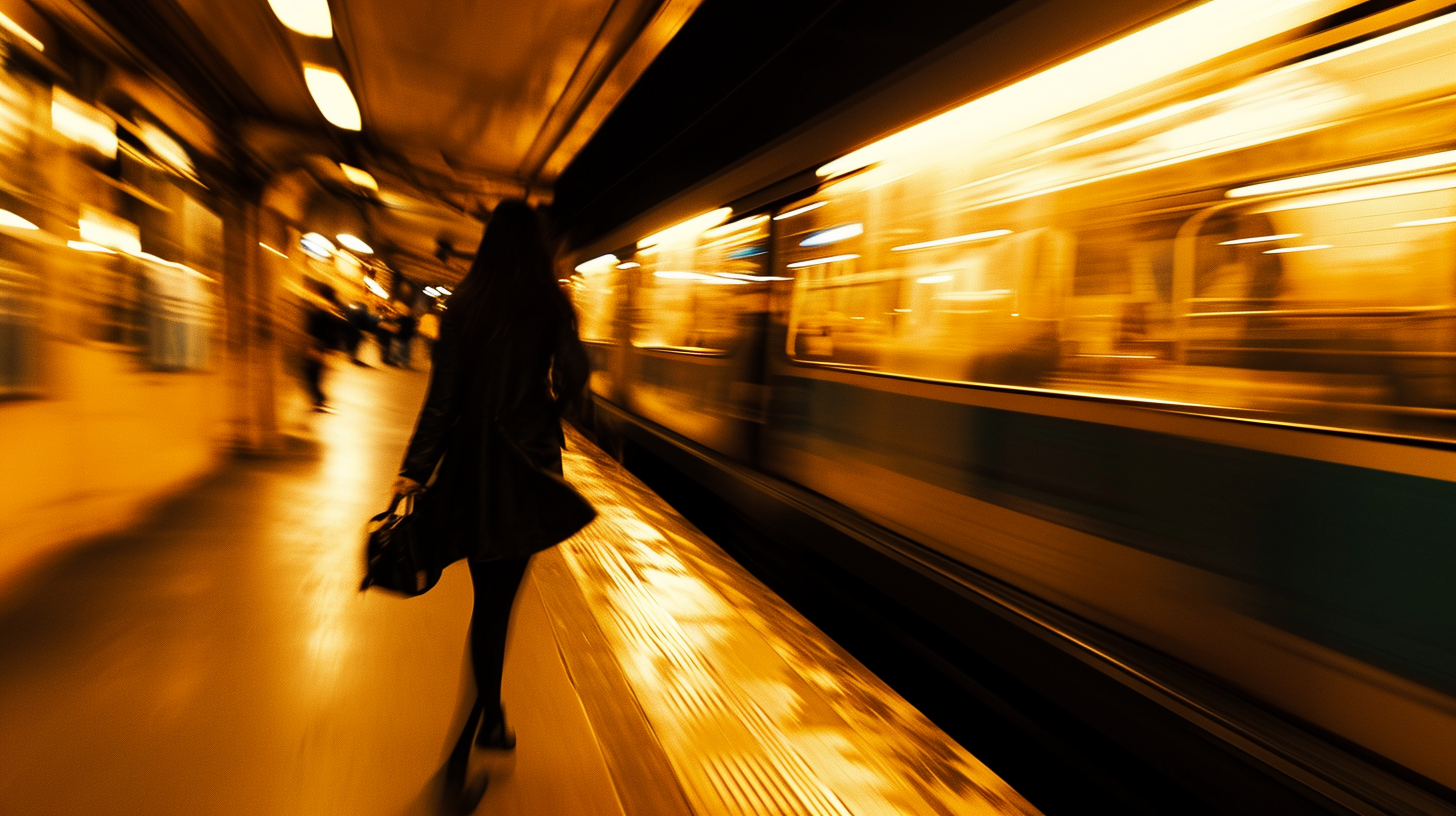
{"x": 429, "y": 329}
{"x": 507, "y": 364}
{"x": 384, "y": 331}
{"x": 404, "y": 338}
{"x": 324, "y": 326}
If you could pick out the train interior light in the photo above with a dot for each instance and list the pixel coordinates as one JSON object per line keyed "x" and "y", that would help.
{"x": 331, "y": 93}
{"x": 310, "y": 18}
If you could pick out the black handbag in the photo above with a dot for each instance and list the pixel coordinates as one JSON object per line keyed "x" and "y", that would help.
{"x": 396, "y": 557}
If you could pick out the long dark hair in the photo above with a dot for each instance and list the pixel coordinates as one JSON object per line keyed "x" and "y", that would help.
{"x": 511, "y": 284}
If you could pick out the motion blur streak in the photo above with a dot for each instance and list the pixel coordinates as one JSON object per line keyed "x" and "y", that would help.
{"x": 1165, "y": 334}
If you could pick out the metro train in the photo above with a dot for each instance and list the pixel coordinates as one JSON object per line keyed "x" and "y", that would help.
{"x": 1164, "y": 334}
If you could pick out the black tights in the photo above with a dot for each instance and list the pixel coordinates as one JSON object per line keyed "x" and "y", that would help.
{"x": 495, "y": 584}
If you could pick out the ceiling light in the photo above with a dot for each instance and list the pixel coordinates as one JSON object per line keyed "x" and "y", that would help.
{"x": 359, "y": 177}
{"x": 799, "y": 210}
{"x": 10, "y": 219}
{"x": 628, "y": 265}
{"x": 444, "y": 291}
{"x": 1348, "y": 174}
{"x": 272, "y": 250}
{"x": 351, "y": 242}
{"x": 833, "y": 234}
{"x": 317, "y": 245}
{"x": 432, "y": 291}
{"x": 955, "y": 239}
{"x": 332, "y": 95}
{"x": 375, "y": 287}
{"x": 308, "y": 17}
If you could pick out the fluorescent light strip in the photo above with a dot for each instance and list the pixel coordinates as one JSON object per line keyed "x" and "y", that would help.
{"x": 272, "y": 250}
{"x": 936, "y": 279}
{"x": 331, "y": 94}
{"x": 799, "y": 210}
{"x": 1387, "y": 190}
{"x": 689, "y": 229}
{"x": 1428, "y": 222}
{"x": 833, "y": 234}
{"x": 1160, "y": 50}
{"x": 742, "y": 276}
{"x": 629, "y": 265}
{"x": 826, "y": 260}
{"x": 87, "y": 246}
{"x": 352, "y": 242}
{"x": 600, "y": 262}
{"x": 1363, "y": 172}
{"x": 1282, "y": 250}
{"x": 1260, "y": 239}
{"x": 957, "y": 239}
{"x": 375, "y": 287}
{"x": 14, "y": 28}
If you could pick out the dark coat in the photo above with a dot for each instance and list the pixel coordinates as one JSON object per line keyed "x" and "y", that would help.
{"x": 490, "y": 435}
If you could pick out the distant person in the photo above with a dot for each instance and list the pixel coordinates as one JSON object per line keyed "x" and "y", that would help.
{"x": 360, "y": 322}
{"x": 384, "y": 331}
{"x": 325, "y": 326}
{"x": 404, "y": 338}
{"x": 507, "y": 364}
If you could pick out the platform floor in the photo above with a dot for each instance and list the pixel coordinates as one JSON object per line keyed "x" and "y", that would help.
{"x": 218, "y": 659}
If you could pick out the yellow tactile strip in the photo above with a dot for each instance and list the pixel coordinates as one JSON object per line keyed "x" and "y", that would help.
{"x": 756, "y": 710}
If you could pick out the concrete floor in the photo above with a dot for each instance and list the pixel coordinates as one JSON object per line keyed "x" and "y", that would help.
{"x": 219, "y": 659}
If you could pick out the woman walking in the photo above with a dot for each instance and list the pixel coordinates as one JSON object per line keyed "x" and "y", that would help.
{"x": 486, "y": 453}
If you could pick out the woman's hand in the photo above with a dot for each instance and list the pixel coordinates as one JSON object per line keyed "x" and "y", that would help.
{"x": 405, "y": 486}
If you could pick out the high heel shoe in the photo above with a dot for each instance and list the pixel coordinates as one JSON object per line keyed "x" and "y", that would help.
{"x": 462, "y": 795}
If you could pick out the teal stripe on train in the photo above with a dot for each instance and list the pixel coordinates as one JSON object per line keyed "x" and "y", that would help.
{"x": 1359, "y": 560}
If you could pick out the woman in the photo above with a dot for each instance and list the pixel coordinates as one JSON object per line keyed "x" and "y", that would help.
{"x": 507, "y": 364}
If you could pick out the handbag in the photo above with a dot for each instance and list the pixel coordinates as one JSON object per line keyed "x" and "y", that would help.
{"x": 396, "y": 558}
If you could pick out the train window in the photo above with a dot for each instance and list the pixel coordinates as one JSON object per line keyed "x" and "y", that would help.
{"x": 701, "y": 295}
{"x": 178, "y": 317}
{"x": 597, "y": 292}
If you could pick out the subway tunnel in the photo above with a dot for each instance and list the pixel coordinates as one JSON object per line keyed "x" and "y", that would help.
{"x": 1002, "y": 407}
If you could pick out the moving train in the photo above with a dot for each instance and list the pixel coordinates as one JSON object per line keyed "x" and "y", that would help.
{"x": 1163, "y": 334}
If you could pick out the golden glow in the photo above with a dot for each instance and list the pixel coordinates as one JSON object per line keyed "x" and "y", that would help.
{"x": 834, "y": 235}
{"x": 1282, "y": 250}
{"x": 1374, "y": 191}
{"x": 687, "y": 230}
{"x": 14, "y": 28}
{"x": 10, "y": 219}
{"x": 628, "y": 265}
{"x": 1160, "y": 50}
{"x": 957, "y": 239}
{"x": 316, "y": 245}
{"x": 1259, "y": 239}
{"x": 799, "y": 210}
{"x": 936, "y": 279}
{"x": 332, "y": 95}
{"x": 104, "y": 229}
{"x": 375, "y": 287}
{"x": 601, "y": 263}
{"x": 308, "y": 17}
{"x": 742, "y": 276}
{"x": 272, "y": 250}
{"x": 671, "y": 274}
{"x": 359, "y": 177}
{"x": 1347, "y": 175}
{"x": 87, "y": 246}
{"x": 83, "y": 123}
{"x": 826, "y": 260}
{"x": 1427, "y": 222}
{"x": 736, "y": 226}
{"x": 354, "y": 243}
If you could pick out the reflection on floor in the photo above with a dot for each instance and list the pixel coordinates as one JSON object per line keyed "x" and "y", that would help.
{"x": 218, "y": 659}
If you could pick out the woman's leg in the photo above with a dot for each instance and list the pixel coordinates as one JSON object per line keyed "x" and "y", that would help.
{"x": 495, "y": 583}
